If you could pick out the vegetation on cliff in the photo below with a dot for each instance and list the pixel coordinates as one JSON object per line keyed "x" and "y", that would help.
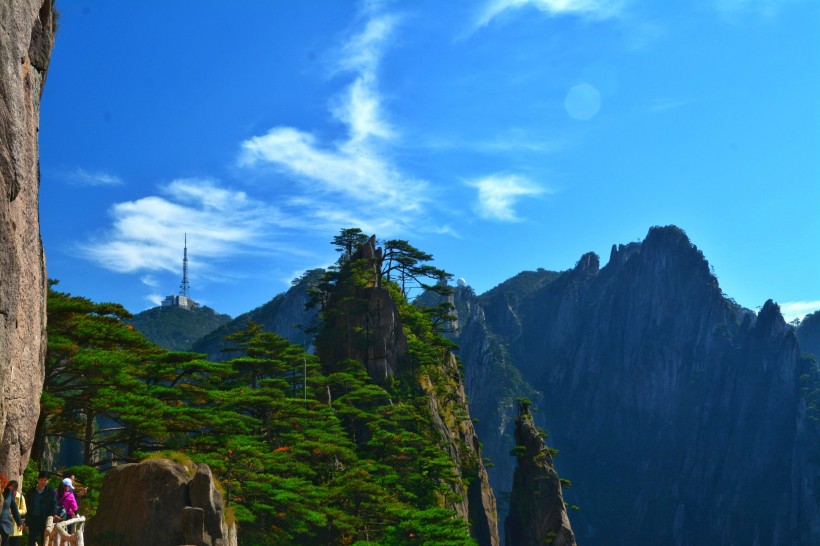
{"x": 307, "y": 452}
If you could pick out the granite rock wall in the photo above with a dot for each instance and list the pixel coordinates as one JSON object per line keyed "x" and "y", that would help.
{"x": 26, "y": 40}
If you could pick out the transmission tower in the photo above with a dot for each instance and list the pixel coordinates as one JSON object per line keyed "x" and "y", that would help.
{"x": 184, "y": 287}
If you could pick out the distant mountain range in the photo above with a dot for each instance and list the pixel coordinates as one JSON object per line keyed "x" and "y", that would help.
{"x": 203, "y": 330}
{"x": 680, "y": 417}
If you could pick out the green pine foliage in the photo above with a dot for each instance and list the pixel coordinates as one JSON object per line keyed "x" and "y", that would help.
{"x": 175, "y": 328}
{"x": 304, "y": 453}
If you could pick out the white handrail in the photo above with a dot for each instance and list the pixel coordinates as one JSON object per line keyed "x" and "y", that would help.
{"x": 57, "y": 534}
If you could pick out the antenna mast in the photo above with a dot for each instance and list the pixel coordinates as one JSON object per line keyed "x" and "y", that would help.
{"x": 184, "y": 287}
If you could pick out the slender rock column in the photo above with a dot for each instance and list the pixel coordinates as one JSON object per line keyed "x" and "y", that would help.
{"x": 537, "y": 511}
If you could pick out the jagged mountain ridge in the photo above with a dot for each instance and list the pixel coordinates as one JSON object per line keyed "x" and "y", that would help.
{"x": 679, "y": 416}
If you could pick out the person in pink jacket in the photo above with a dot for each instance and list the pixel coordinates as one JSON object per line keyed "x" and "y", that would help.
{"x": 66, "y": 499}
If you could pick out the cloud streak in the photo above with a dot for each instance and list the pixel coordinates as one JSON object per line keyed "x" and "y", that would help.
{"x": 357, "y": 168}
{"x": 499, "y": 193}
{"x": 320, "y": 186}
{"x": 147, "y": 233}
{"x": 592, "y": 9}
{"x": 82, "y": 177}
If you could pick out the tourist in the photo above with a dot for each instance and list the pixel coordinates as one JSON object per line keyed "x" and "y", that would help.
{"x": 41, "y": 501}
{"x": 10, "y": 514}
{"x": 77, "y": 492}
{"x": 67, "y": 500}
{"x": 14, "y": 538}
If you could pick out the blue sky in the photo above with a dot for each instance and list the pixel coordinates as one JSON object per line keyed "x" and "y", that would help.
{"x": 499, "y": 135}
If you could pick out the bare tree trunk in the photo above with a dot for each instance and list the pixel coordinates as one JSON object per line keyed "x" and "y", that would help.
{"x": 89, "y": 433}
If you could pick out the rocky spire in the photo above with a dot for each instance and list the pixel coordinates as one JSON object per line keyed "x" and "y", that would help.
{"x": 537, "y": 511}
{"x": 362, "y": 320}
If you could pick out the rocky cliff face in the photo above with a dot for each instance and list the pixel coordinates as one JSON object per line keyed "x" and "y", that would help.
{"x": 537, "y": 511}
{"x": 366, "y": 321}
{"x": 679, "y": 416}
{"x": 493, "y": 384}
{"x": 26, "y": 41}
{"x": 452, "y": 419}
{"x": 162, "y": 503}
{"x": 367, "y": 327}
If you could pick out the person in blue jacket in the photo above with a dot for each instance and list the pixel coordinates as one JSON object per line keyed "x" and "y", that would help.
{"x": 41, "y": 501}
{"x": 9, "y": 511}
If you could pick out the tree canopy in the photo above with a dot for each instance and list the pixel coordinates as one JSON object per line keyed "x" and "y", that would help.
{"x": 306, "y": 453}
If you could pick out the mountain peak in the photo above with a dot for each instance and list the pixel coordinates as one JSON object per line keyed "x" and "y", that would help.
{"x": 770, "y": 319}
{"x": 588, "y": 264}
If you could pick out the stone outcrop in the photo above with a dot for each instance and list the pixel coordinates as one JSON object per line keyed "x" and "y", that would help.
{"x": 493, "y": 384}
{"x": 537, "y": 511}
{"x": 162, "y": 503}
{"x": 681, "y": 417}
{"x": 26, "y": 40}
{"x": 364, "y": 320}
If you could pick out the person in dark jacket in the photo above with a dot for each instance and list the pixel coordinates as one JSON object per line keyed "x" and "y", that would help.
{"x": 41, "y": 501}
{"x": 8, "y": 512}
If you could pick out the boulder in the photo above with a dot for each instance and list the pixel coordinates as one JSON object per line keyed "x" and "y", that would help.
{"x": 159, "y": 502}
{"x": 205, "y": 496}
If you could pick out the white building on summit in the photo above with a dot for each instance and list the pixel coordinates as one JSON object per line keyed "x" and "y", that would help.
{"x": 183, "y": 299}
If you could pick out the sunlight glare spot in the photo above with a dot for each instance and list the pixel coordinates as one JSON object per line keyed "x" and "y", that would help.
{"x": 582, "y": 102}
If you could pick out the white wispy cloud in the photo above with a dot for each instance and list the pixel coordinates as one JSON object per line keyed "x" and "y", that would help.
{"x": 798, "y": 309}
{"x": 593, "y": 9}
{"x": 146, "y": 234}
{"x": 513, "y": 140}
{"x": 82, "y": 177}
{"x": 357, "y": 168}
{"x": 150, "y": 280}
{"x": 499, "y": 193}
{"x": 360, "y": 108}
{"x": 155, "y": 299}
